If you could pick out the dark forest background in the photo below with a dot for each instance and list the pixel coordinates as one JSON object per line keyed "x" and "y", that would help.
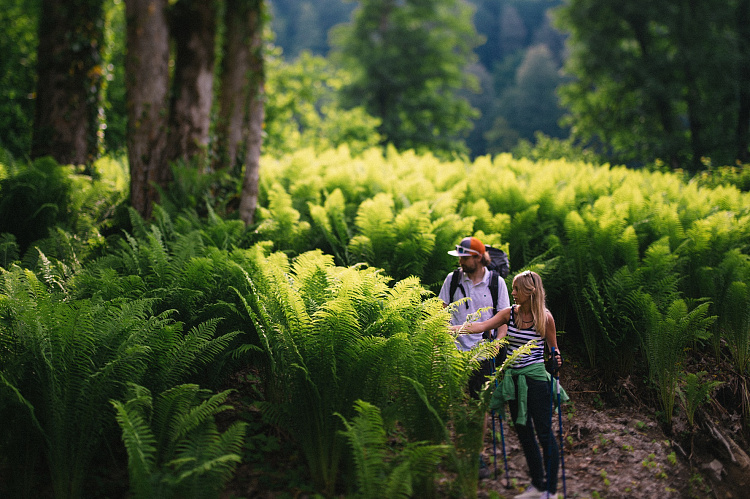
{"x": 518, "y": 66}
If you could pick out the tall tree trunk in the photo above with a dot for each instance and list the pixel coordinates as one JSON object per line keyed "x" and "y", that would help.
{"x": 255, "y": 114}
{"x": 235, "y": 71}
{"x": 194, "y": 29}
{"x": 69, "y": 81}
{"x": 147, "y": 84}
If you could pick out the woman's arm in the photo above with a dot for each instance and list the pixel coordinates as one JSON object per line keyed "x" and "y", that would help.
{"x": 551, "y": 337}
{"x": 499, "y": 319}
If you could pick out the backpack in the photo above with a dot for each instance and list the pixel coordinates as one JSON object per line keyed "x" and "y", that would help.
{"x": 498, "y": 261}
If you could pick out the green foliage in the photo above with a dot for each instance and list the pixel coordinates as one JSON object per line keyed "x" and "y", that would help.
{"x": 408, "y": 60}
{"x": 186, "y": 265}
{"x": 34, "y": 199}
{"x": 63, "y": 360}
{"x": 174, "y": 446}
{"x": 304, "y": 27}
{"x": 666, "y": 337}
{"x": 9, "y": 251}
{"x": 727, "y": 286}
{"x": 738, "y": 176}
{"x": 695, "y": 392}
{"x": 545, "y": 147}
{"x": 530, "y": 106}
{"x": 336, "y": 335}
{"x": 40, "y": 196}
{"x": 194, "y": 189}
{"x": 303, "y": 109}
{"x": 18, "y": 44}
{"x": 383, "y": 471}
{"x": 645, "y": 80}
{"x": 280, "y": 222}
{"x": 114, "y": 98}
{"x": 622, "y": 252}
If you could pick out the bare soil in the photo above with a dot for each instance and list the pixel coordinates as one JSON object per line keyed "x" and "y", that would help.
{"x": 619, "y": 449}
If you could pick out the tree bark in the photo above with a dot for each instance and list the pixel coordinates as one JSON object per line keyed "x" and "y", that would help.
{"x": 255, "y": 114}
{"x": 69, "y": 81}
{"x": 147, "y": 70}
{"x": 194, "y": 29}
{"x": 230, "y": 150}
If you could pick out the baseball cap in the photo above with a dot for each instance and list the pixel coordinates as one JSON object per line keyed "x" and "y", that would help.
{"x": 468, "y": 246}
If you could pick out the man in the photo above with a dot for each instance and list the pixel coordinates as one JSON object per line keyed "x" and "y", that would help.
{"x": 474, "y": 283}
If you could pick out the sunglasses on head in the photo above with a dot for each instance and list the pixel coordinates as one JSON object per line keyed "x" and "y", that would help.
{"x": 528, "y": 273}
{"x": 466, "y": 251}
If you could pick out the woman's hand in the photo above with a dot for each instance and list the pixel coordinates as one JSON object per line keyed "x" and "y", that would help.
{"x": 555, "y": 362}
{"x": 463, "y": 328}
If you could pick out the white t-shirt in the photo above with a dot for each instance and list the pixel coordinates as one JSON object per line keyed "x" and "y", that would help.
{"x": 479, "y": 297}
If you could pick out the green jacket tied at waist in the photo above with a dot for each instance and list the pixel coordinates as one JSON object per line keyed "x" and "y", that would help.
{"x": 506, "y": 390}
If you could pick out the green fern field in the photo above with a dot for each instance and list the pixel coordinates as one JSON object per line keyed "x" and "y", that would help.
{"x": 122, "y": 340}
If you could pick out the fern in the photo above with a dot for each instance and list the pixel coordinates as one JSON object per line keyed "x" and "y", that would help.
{"x": 376, "y": 238}
{"x": 336, "y": 335}
{"x": 727, "y": 286}
{"x": 330, "y": 220}
{"x": 69, "y": 357}
{"x": 281, "y": 222}
{"x": 383, "y": 472}
{"x": 74, "y": 358}
{"x": 577, "y": 257}
{"x": 9, "y": 250}
{"x": 737, "y": 321}
{"x": 667, "y": 336}
{"x": 174, "y": 447}
{"x": 695, "y": 392}
{"x": 133, "y": 418}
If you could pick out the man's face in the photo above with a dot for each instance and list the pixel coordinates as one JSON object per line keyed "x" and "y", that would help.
{"x": 469, "y": 264}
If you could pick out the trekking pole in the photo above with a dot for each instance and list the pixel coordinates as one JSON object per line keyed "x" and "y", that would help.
{"x": 559, "y": 414}
{"x": 502, "y": 439}
{"x": 505, "y": 457}
{"x": 492, "y": 415}
{"x": 550, "y": 437}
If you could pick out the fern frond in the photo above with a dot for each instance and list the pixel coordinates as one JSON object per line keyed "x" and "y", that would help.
{"x": 367, "y": 439}
{"x": 199, "y": 414}
{"x": 376, "y": 237}
{"x": 330, "y": 219}
{"x": 140, "y": 444}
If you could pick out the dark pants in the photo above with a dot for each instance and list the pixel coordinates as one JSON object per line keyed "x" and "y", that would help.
{"x": 479, "y": 377}
{"x": 538, "y": 412}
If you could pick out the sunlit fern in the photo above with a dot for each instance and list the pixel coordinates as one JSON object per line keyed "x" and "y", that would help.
{"x": 335, "y": 335}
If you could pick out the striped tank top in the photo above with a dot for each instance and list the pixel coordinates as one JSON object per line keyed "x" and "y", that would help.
{"x": 518, "y": 337}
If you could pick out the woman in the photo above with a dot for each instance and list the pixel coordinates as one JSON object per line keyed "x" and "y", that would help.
{"x": 526, "y": 385}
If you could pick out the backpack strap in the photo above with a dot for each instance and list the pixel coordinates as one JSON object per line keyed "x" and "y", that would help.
{"x": 494, "y": 291}
{"x": 455, "y": 284}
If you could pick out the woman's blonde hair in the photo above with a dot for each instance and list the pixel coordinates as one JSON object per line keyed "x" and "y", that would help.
{"x": 531, "y": 283}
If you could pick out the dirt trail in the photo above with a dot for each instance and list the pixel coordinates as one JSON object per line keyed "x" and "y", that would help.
{"x": 623, "y": 453}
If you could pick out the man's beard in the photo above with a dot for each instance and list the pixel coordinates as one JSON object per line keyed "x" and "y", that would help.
{"x": 469, "y": 269}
